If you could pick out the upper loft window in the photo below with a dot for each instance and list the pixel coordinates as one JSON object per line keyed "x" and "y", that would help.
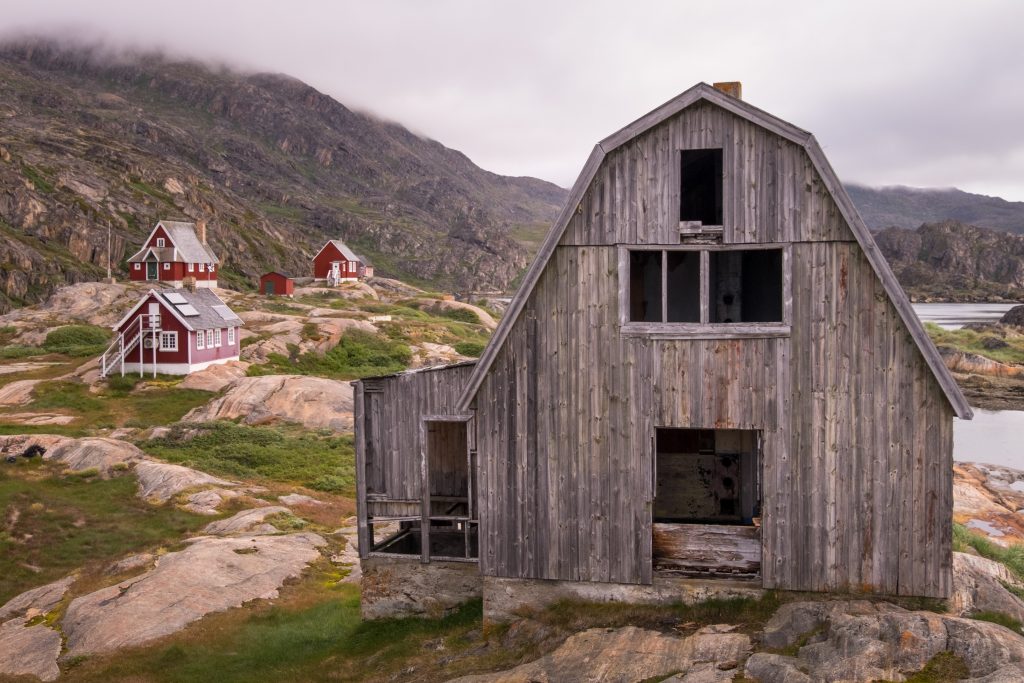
{"x": 705, "y": 289}
{"x": 700, "y": 186}
{"x": 160, "y": 242}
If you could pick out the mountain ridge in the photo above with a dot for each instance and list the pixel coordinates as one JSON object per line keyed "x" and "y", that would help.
{"x": 276, "y": 166}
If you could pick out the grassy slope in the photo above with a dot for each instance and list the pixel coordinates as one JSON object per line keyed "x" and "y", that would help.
{"x": 55, "y": 524}
{"x": 981, "y": 343}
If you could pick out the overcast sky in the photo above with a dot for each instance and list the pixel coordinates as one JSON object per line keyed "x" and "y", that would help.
{"x": 927, "y": 94}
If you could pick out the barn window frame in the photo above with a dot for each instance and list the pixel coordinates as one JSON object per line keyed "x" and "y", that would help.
{"x": 231, "y": 336}
{"x": 704, "y": 329}
{"x": 160, "y": 242}
{"x": 200, "y": 340}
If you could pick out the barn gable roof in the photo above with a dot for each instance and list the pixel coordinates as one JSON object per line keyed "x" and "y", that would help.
{"x": 185, "y": 245}
{"x": 704, "y": 92}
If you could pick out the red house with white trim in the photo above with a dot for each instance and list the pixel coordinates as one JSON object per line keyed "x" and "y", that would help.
{"x": 173, "y": 332}
{"x": 173, "y": 252}
{"x": 336, "y": 263}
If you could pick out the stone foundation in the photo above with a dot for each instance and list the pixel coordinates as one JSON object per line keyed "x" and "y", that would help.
{"x": 503, "y": 598}
{"x": 404, "y": 587}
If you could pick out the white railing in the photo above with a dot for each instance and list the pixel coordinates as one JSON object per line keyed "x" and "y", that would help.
{"x": 112, "y": 359}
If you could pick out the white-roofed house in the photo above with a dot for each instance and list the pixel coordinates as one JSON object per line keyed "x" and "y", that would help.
{"x": 336, "y": 263}
{"x": 173, "y": 252}
{"x": 173, "y": 332}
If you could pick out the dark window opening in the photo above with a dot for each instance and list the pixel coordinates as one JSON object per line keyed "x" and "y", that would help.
{"x": 447, "y": 539}
{"x": 683, "y": 287}
{"x": 746, "y": 286}
{"x": 701, "y": 186}
{"x": 645, "y": 286}
{"x": 708, "y": 476}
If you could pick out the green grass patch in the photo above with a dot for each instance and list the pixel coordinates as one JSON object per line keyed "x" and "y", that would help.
{"x": 1005, "y": 349}
{"x": 325, "y": 640}
{"x": 117, "y": 405}
{"x": 41, "y": 184}
{"x": 73, "y": 336}
{"x": 944, "y": 667}
{"x": 1011, "y": 556}
{"x": 53, "y": 525}
{"x": 357, "y": 354}
{"x": 470, "y": 348}
{"x": 280, "y": 454}
{"x": 998, "y": 618}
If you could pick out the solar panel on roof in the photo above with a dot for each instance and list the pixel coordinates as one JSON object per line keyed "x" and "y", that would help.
{"x": 224, "y": 312}
{"x": 187, "y": 310}
{"x": 175, "y": 298}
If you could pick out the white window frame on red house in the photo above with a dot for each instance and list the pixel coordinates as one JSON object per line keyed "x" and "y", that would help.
{"x": 217, "y": 338}
{"x": 202, "y": 267}
{"x": 200, "y": 340}
{"x": 191, "y": 267}
{"x": 209, "y": 339}
{"x": 231, "y": 336}
{"x": 168, "y": 341}
{"x": 138, "y": 266}
{"x": 160, "y": 242}
{"x": 211, "y": 267}
{"x": 167, "y": 265}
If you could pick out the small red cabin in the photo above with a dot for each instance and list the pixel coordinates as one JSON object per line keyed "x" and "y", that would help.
{"x": 173, "y": 332}
{"x": 276, "y": 284}
{"x": 174, "y": 252}
{"x": 336, "y": 263}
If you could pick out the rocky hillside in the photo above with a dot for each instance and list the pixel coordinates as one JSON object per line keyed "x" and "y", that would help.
{"x": 909, "y": 207}
{"x": 92, "y": 140}
{"x": 951, "y": 261}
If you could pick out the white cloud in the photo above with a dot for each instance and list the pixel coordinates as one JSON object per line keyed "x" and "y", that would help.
{"x": 916, "y": 93}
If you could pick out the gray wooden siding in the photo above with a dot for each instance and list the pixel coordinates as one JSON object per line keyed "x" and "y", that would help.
{"x": 857, "y": 435}
{"x": 389, "y": 412}
{"x": 771, "y": 191}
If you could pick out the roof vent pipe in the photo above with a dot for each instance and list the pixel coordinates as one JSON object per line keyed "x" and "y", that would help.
{"x": 730, "y": 88}
{"x": 201, "y": 228}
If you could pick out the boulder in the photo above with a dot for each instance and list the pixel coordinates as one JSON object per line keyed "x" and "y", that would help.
{"x": 979, "y": 585}
{"x": 131, "y": 563}
{"x": 971, "y": 363}
{"x": 41, "y": 599}
{"x": 298, "y": 499}
{"x": 38, "y": 419}
{"x": 161, "y": 481}
{"x": 215, "y": 377}
{"x": 210, "y": 575}
{"x": 863, "y": 641}
{"x": 18, "y": 393}
{"x": 207, "y": 502}
{"x": 245, "y": 521}
{"x": 29, "y": 650}
{"x": 98, "y": 453}
{"x": 623, "y": 655}
{"x": 313, "y": 402}
{"x": 1014, "y": 316}
{"x": 441, "y": 305}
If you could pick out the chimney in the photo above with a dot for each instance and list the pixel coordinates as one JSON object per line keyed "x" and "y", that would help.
{"x": 730, "y": 88}
{"x": 201, "y": 227}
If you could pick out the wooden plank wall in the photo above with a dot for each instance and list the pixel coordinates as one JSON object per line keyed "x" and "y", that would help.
{"x": 389, "y": 438}
{"x": 857, "y": 435}
{"x": 771, "y": 191}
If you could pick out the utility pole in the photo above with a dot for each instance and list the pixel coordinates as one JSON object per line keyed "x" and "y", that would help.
{"x": 110, "y": 277}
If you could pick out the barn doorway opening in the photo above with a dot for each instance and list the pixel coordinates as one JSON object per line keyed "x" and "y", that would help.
{"x": 151, "y": 269}
{"x": 707, "y": 502}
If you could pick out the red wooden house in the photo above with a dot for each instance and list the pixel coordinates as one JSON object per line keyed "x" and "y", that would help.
{"x": 336, "y": 263}
{"x": 174, "y": 332}
{"x": 276, "y": 284}
{"x": 173, "y": 252}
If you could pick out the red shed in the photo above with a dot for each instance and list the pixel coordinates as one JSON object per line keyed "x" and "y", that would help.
{"x": 276, "y": 284}
{"x": 335, "y": 263}
{"x": 174, "y": 332}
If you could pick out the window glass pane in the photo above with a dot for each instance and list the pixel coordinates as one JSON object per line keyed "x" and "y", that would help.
{"x": 700, "y": 197}
{"x": 645, "y": 286}
{"x": 746, "y": 286}
{"x": 683, "y": 287}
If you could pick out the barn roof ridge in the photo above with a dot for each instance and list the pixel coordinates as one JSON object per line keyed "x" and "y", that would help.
{"x": 799, "y": 136}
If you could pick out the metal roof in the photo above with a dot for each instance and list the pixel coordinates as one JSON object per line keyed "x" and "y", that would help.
{"x": 210, "y": 311}
{"x": 185, "y": 245}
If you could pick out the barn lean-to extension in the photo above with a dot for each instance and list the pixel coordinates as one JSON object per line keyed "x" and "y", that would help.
{"x": 709, "y": 371}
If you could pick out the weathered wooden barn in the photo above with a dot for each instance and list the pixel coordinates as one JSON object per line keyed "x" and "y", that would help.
{"x": 708, "y": 371}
